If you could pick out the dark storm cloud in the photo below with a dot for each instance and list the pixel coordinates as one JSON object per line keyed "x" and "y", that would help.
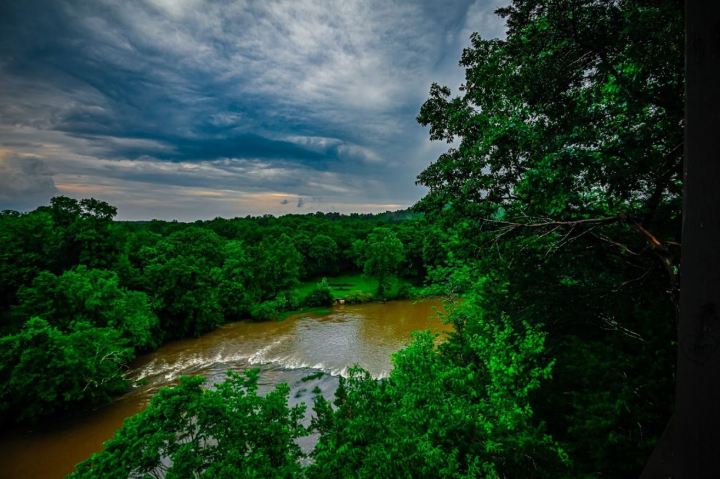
{"x": 290, "y": 98}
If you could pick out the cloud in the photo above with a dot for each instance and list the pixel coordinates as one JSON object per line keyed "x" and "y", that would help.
{"x": 304, "y": 98}
{"x": 25, "y": 182}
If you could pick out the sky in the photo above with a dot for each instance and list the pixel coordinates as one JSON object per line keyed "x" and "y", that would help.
{"x": 190, "y": 109}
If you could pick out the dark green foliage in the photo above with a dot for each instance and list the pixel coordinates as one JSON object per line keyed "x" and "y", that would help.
{"x": 85, "y": 329}
{"x": 322, "y": 256}
{"x": 438, "y": 415}
{"x": 86, "y": 232}
{"x": 271, "y": 309}
{"x": 234, "y": 291}
{"x": 91, "y": 296}
{"x": 277, "y": 266}
{"x": 183, "y": 273}
{"x": 380, "y": 256}
{"x": 319, "y": 296}
{"x": 189, "y": 431}
{"x": 266, "y": 310}
{"x": 560, "y": 201}
{"x": 358, "y": 297}
{"x": 44, "y": 370}
{"x": 28, "y": 243}
{"x": 403, "y": 292}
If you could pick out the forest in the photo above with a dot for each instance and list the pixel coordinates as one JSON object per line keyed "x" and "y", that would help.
{"x": 551, "y": 226}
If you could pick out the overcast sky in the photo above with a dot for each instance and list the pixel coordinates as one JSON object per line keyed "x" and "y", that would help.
{"x": 190, "y": 109}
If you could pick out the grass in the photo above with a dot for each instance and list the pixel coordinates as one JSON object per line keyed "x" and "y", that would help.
{"x": 341, "y": 286}
{"x": 318, "y": 310}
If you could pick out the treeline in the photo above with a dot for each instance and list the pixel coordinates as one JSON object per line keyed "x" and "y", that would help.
{"x": 83, "y": 294}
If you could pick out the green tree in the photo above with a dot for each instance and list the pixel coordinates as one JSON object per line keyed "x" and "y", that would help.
{"x": 322, "y": 256}
{"x": 92, "y": 296}
{"x": 190, "y": 431}
{"x": 234, "y": 295}
{"x": 88, "y": 234}
{"x": 379, "y": 256}
{"x": 29, "y": 244}
{"x": 277, "y": 266}
{"x": 44, "y": 371}
{"x": 182, "y": 275}
{"x": 320, "y": 295}
{"x": 562, "y": 189}
{"x": 139, "y": 248}
{"x": 439, "y": 415}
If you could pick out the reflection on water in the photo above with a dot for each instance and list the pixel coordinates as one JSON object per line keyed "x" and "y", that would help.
{"x": 286, "y": 351}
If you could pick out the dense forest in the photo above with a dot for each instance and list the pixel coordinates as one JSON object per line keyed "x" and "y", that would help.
{"x": 552, "y": 225}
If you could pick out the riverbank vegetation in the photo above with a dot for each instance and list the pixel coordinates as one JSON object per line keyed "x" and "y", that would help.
{"x": 347, "y": 287}
{"x": 83, "y": 294}
{"x": 554, "y": 214}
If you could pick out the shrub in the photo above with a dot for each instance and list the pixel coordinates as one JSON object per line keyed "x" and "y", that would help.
{"x": 319, "y": 296}
{"x": 290, "y": 300}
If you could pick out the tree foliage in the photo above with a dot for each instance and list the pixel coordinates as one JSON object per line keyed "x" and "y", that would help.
{"x": 439, "y": 415}
{"x": 92, "y": 296}
{"x": 44, "y": 370}
{"x": 380, "y": 256}
{"x": 188, "y": 431}
{"x": 560, "y": 196}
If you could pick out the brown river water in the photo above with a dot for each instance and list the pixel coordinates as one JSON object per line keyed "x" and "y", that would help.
{"x": 286, "y": 352}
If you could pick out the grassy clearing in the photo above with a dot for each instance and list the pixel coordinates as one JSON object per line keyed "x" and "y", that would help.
{"x": 342, "y": 286}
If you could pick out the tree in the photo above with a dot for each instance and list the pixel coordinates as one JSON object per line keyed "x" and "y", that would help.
{"x": 92, "y": 296}
{"x": 320, "y": 295}
{"x": 563, "y": 192}
{"x": 182, "y": 275}
{"x": 322, "y": 256}
{"x": 277, "y": 266}
{"x": 234, "y": 295}
{"x": 29, "y": 244}
{"x": 380, "y": 255}
{"x": 44, "y": 370}
{"x": 87, "y": 230}
{"x": 190, "y": 431}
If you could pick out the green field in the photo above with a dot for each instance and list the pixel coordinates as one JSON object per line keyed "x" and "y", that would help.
{"x": 341, "y": 286}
